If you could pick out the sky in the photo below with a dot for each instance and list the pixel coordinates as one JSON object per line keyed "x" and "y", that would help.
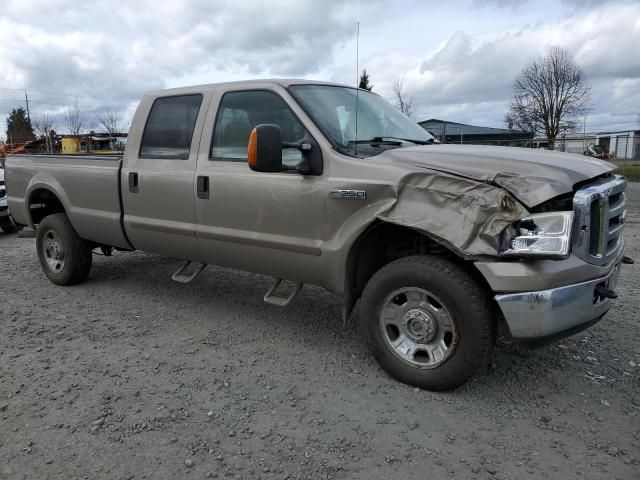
{"x": 458, "y": 58}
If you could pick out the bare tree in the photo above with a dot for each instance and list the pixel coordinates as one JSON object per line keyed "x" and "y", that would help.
{"x": 73, "y": 120}
{"x": 401, "y": 99}
{"x": 549, "y": 96}
{"x": 44, "y": 124}
{"x": 110, "y": 121}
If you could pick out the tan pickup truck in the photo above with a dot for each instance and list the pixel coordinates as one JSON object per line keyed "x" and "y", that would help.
{"x": 323, "y": 184}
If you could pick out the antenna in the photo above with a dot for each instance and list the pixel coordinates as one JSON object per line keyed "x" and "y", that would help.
{"x": 357, "y": 82}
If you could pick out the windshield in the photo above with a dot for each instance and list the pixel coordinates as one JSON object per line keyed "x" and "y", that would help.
{"x": 334, "y": 109}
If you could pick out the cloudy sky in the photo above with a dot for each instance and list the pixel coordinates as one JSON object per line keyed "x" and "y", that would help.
{"x": 458, "y": 58}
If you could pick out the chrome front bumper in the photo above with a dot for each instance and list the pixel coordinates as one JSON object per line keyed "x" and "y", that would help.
{"x": 547, "y": 313}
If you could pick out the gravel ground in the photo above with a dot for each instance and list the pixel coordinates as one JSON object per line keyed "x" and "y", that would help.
{"x": 131, "y": 375}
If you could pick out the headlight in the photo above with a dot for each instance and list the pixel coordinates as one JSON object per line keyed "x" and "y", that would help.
{"x": 542, "y": 235}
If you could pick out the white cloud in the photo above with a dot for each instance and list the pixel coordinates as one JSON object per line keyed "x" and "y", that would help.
{"x": 469, "y": 77}
{"x": 458, "y": 58}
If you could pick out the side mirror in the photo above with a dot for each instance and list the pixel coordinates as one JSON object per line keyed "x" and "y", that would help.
{"x": 264, "y": 152}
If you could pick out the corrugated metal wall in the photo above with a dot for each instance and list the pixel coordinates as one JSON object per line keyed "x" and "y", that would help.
{"x": 622, "y": 144}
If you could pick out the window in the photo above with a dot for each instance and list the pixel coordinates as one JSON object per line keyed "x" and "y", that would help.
{"x": 240, "y": 112}
{"x": 334, "y": 108}
{"x": 170, "y": 127}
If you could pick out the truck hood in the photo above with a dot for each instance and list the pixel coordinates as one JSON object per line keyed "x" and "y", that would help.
{"x": 532, "y": 176}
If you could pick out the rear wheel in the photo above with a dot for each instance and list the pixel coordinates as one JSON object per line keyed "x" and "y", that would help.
{"x": 427, "y": 322}
{"x": 65, "y": 257}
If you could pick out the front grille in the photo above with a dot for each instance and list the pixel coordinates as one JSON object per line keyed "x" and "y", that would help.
{"x": 3, "y": 193}
{"x": 599, "y": 219}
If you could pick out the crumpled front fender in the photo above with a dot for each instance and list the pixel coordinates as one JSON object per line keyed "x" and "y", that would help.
{"x": 466, "y": 215}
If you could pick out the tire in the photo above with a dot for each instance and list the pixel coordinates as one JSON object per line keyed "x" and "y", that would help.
{"x": 427, "y": 322}
{"x": 9, "y": 229}
{"x": 65, "y": 258}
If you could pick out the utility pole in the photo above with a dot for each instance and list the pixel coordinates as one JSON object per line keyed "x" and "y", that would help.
{"x": 26, "y": 99}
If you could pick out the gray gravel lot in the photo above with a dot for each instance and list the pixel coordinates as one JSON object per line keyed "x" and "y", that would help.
{"x": 131, "y": 375}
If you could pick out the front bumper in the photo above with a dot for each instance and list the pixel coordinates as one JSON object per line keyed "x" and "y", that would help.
{"x": 556, "y": 311}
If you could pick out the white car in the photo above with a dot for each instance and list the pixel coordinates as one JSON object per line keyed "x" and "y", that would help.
{"x": 6, "y": 224}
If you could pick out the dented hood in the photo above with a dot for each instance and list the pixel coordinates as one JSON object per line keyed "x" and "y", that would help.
{"x": 532, "y": 176}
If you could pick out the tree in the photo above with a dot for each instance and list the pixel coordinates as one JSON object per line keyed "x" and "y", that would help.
{"x": 73, "y": 120}
{"x": 110, "y": 121}
{"x": 43, "y": 125}
{"x": 19, "y": 128}
{"x": 549, "y": 96}
{"x": 364, "y": 81}
{"x": 403, "y": 101}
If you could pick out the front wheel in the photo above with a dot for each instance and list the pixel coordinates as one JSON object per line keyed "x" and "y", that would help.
{"x": 427, "y": 322}
{"x": 64, "y": 256}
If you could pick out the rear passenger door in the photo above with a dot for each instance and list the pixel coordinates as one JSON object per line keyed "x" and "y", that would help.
{"x": 157, "y": 179}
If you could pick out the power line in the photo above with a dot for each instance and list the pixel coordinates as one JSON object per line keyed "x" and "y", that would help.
{"x": 64, "y": 94}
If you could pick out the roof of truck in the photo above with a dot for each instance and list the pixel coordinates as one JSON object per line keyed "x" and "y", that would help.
{"x": 257, "y": 83}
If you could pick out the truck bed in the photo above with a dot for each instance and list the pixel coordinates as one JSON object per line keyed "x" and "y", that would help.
{"x": 88, "y": 186}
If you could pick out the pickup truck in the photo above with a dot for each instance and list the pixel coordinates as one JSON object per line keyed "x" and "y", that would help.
{"x": 324, "y": 184}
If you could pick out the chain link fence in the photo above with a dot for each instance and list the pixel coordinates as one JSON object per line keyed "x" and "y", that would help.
{"x": 620, "y": 147}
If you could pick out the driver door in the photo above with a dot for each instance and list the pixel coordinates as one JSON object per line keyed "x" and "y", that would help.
{"x": 268, "y": 223}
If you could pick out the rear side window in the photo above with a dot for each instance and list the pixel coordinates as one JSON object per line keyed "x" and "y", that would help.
{"x": 240, "y": 112}
{"x": 169, "y": 128}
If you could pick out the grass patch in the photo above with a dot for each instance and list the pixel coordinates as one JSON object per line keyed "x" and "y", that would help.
{"x": 632, "y": 172}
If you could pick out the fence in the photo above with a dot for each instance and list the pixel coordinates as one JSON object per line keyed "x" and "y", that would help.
{"x": 615, "y": 146}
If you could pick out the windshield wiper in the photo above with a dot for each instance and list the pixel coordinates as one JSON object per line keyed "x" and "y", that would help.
{"x": 396, "y": 141}
{"x": 418, "y": 142}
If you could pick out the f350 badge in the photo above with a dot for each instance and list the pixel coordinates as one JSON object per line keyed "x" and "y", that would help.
{"x": 349, "y": 194}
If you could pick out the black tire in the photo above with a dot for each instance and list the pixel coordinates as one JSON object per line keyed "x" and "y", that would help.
{"x": 466, "y": 302}
{"x": 10, "y": 229}
{"x": 77, "y": 252}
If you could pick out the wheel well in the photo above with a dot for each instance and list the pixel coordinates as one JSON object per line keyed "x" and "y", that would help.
{"x": 383, "y": 243}
{"x": 43, "y": 202}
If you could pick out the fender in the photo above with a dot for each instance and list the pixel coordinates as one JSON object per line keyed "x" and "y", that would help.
{"x": 44, "y": 181}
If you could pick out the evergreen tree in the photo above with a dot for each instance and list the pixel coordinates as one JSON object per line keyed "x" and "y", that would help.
{"x": 364, "y": 81}
{"x": 19, "y": 128}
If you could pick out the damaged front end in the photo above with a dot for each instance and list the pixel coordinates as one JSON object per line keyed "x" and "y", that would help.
{"x": 463, "y": 214}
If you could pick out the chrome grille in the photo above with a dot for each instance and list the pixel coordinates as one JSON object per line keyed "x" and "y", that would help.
{"x": 599, "y": 220}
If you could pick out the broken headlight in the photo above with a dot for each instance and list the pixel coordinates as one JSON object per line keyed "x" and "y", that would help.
{"x": 541, "y": 235}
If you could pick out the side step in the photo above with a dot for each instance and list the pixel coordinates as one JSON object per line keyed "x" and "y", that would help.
{"x": 182, "y": 277}
{"x": 281, "y": 301}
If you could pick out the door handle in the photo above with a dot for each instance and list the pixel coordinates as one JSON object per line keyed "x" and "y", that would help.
{"x": 203, "y": 186}
{"x": 133, "y": 182}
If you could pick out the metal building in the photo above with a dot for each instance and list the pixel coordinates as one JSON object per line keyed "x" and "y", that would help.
{"x": 454, "y": 132}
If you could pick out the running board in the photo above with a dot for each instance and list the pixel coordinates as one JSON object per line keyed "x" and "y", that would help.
{"x": 281, "y": 301}
{"x": 182, "y": 277}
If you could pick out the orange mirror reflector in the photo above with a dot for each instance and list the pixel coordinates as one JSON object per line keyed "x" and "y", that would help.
{"x": 252, "y": 148}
